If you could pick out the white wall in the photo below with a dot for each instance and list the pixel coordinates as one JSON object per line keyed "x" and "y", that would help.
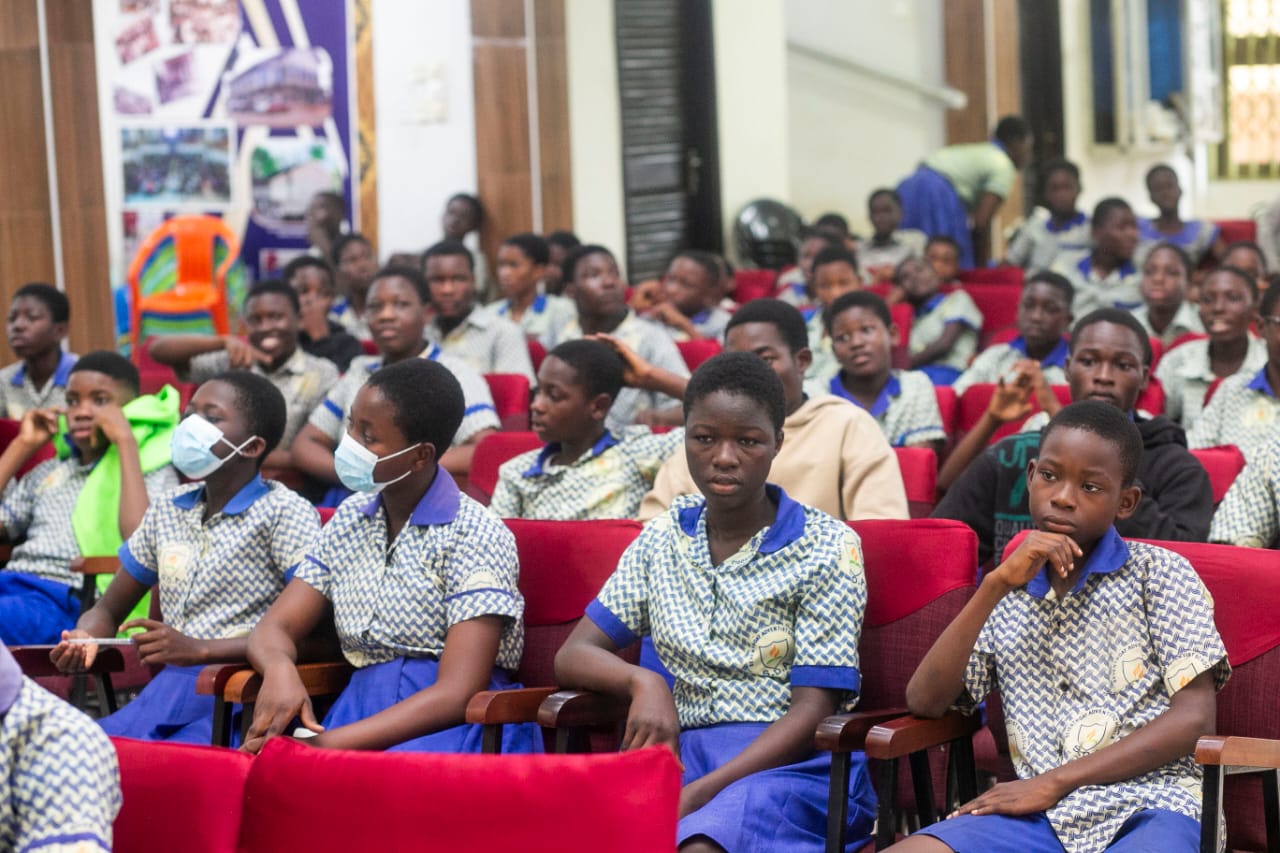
{"x": 847, "y": 134}
{"x": 421, "y": 62}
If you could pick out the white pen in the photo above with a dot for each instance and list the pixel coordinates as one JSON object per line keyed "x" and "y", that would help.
{"x": 100, "y": 641}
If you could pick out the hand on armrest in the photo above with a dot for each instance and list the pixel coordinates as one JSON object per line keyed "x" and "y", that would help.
{"x": 579, "y": 709}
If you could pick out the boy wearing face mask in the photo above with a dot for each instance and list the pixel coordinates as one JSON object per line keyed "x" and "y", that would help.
{"x": 220, "y": 550}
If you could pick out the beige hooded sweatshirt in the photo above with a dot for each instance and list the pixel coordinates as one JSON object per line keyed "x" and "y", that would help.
{"x": 834, "y": 458}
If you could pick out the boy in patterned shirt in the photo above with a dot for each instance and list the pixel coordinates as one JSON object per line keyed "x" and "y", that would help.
{"x": 59, "y": 783}
{"x": 1055, "y": 228}
{"x": 835, "y": 273}
{"x": 585, "y": 471}
{"x": 523, "y": 261}
{"x": 689, "y": 296}
{"x": 1106, "y": 657}
{"x": 755, "y": 604}
{"x": 903, "y": 402}
{"x": 38, "y": 318}
{"x": 945, "y": 328}
{"x": 1044, "y": 317}
{"x": 220, "y": 550}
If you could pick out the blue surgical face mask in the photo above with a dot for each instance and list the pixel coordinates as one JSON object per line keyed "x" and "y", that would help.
{"x": 354, "y": 464}
{"x": 192, "y": 447}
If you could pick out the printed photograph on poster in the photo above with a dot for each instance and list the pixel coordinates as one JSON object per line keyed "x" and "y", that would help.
{"x": 271, "y": 262}
{"x": 133, "y": 7}
{"x": 176, "y": 77}
{"x": 286, "y": 172}
{"x": 129, "y": 102}
{"x": 137, "y": 39}
{"x": 204, "y": 21}
{"x": 176, "y": 165}
{"x": 290, "y": 88}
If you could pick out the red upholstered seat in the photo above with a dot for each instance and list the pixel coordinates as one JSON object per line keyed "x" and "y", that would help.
{"x": 9, "y": 431}
{"x": 1235, "y": 230}
{"x": 975, "y": 399}
{"x": 696, "y": 352}
{"x": 537, "y": 352}
{"x": 998, "y": 304}
{"x": 492, "y": 451}
{"x": 1223, "y": 464}
{"x": 919, "y": 466}
{"x": 511, "y": 399}
{"x": 753, "y": 284}
{"x": 179, "y": 797}
{"x": 946, "y": 396}
{"x": 993, "y": 275}
{"x": 1157, "y": 352}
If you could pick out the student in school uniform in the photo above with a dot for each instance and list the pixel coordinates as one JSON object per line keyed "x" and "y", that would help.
{"x": 903, "y": 402}
{"x": 1249, "y": 515}
{"x": 1044, "y": 317}
{"x": 835, "y": 273}
{"x": 1105, "y": 276}
{"x": 462, "y": 218}
{"x": 488, "y": 343}
{"x": 585, "y": 470}
{"x": 754, "y": 603}
{"x": 835, "y": 457}
{"x": 690, "y": 295}
{"x": 523, "y": 261}
{"x": 1197, "y": 237}
{"x": 1244, "y": 408}
{"x": 559, "y": 245}
{"x": 795, "y": 287}
{"x": 1165, "y": 313}
{"x": 1057, "y": 227}
{"x": 220, "y": 550}
{"x": 1228, "y": 306}
{"x": 591, "y": 277}
{"x": 318, "y": 334}
{"x": 37, "y": 324}
{"x": 420, "y": 582}
{"x": 59, "y": 781}
{"x": 1106, "y": 657}
{"x": 945, "y": 328}
{"x": 889, "y": 245}
{"x": 356, "y": 263}
{"x": 271, "y": 314}
{"x": 113, "y": 457}
{"x": 398, "y": 299}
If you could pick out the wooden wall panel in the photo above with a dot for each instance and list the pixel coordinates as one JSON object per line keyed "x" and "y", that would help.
{"x": 497, "y": 19}
{"x": 1008, "y": 101}
{"x": 366, "y": 123}
{"x": 964, "y": 38}
{"x": 553, "y": 115}
{"x": 502, "y": 141}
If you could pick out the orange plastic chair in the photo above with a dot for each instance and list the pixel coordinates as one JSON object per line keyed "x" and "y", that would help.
{"x": 197, "y": 287}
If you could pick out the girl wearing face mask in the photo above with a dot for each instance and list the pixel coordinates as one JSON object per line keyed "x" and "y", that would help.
{"x": 419, "y": 580}
{"x": 220, "y": 550}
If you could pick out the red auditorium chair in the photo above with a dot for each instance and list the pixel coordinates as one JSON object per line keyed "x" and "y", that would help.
{"x": 975, "y": 399}
{"x": 946, "y": 396}
{"x": 9, "y": 429}
{"x": 999, "y": 306}
{"x": 563, "y": 565}
{"x": 493, "y": 450}
{"x": 1157, "y": 352}
{"x": 696, "y": 352}
{"x": 1235, "y": 230}
{"x": 753, "y": 284}
{"x": 993, "y": 275}
{"x": 511, "y": 399}
{"x": 370, "y": 348}
{"x": 919, "y": 466}
{"x": 1223, "y": 464}
{"x": 537, "y": 352}
{"x": 1152, "y": 397}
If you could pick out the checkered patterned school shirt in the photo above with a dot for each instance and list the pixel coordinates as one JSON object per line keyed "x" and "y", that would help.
{"x": 59, "y": 782}
{"x": 784, "y": 611}
{"x": 543, "y": 319}
{"x": 487, "y": 342}
{"x": 998, "y": 359}
{"x": 302, "y": 380}
{"x": 1248, "y": 515}
{"x": 1242, "y": 412}
{"x": 1080, "y": 673}
{"x": 330, "y": 416}
{"x": 933, "y": 317}
{"x": 218, "y": 577}
{"x": 1119, "y": 288}
{"x": 39, "y": 507}
{"x": 608, "y": 481}
{"x": 1184, "y": 372}
{"x": 453, "y": 561}
{"x": 18, "y": 393}
{"x": 907, "y": 408}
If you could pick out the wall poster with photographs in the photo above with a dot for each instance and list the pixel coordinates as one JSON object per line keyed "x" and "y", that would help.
{"x": 241, "y": 109}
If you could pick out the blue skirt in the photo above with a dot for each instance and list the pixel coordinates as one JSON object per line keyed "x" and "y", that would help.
{"x": 168, "y": 709}
{"x": 782, "y": 809}
{"x": 373, "y": 689}
{"x": 35, "y": 611}
{"x": 930, "y": 204}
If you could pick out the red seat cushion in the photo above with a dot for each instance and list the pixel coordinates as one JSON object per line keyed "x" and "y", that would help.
{"x": 179, "y": 797}
{"x": 696, "y": 352}
{"x": 753, "y": 284}
{"x": 1222, "y": 464}
{"x": 490, "y": 454}
{"x": 510, "y": 399}
{"x": 563, "y": 564}
{"x": 299, "y": 798}
{"x": 919, "y": 467}
{"x": 993, "y": 275}
{"x": 9, "y": 431}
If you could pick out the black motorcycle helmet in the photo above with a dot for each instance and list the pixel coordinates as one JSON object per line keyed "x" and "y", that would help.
{"x": 767, "y": 234}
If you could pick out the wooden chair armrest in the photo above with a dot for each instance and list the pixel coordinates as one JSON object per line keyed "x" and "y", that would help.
{"x": 319, "y": 679}
{"x": 6, "y": 551}
{"x": 35, "y": 662}
{"x": 906, "y": 735}
{"x": 1220, "y": 750}
{"x": 95, "y": 565}
{"x": 212, "y": 680}
{"x": 500, "y": 707}
{"x": 580, "y": 709}
{"x": 848, "y": 732}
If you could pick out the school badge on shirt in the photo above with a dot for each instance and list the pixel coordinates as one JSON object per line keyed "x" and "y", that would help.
{"x": 772, "y": 651}
{"x": 175, "y": 562}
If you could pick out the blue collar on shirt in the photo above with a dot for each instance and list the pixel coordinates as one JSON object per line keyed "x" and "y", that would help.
{"x": 438, "y": 506}
{"x": 1056, "y": 358}
{"x": 786, "y": 528}
{"x": 931, "y": 303}
{"x": 1073, "y": 222}
{"x": 892, "y": 388}
{"x": 1261, "y": 383}
{"x": 1109, "y": 554}
{"x": 66, "y": 361}
{"x": 538, "y": 305}
{"x": 1086, "y": 267}
{"x": 701, "y": 317}
{"x": 535, "y": 470}
{"x": 340, "y": 307}
{"x": 241, "y": 501}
